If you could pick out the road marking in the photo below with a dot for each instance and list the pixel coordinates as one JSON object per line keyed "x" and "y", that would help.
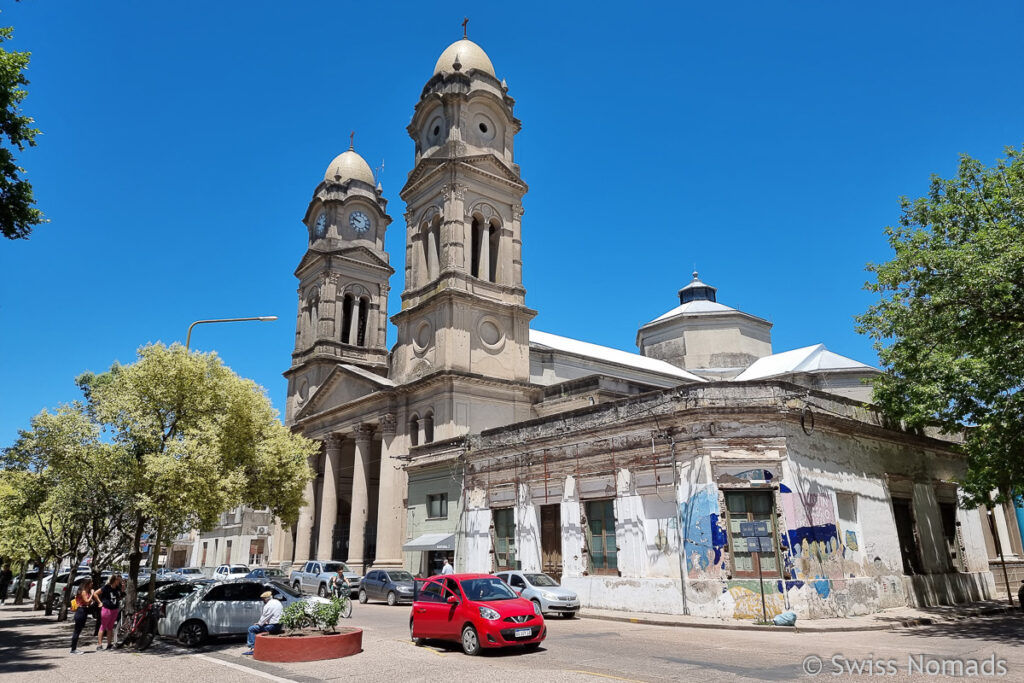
{"x": 423, "y": 647}
{"x": 246, "y": 669}
{"x": 594, "y": 673}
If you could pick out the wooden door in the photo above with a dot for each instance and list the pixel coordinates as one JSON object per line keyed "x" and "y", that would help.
{"x": 551, "y": 540}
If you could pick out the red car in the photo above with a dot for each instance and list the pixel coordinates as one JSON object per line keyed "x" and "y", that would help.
{"x": 477, "y": 610}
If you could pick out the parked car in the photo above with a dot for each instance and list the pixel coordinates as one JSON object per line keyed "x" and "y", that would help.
{"x": 179, "y": 589}
{"x": 391, "y": 585}
{"x": 315, "y": 577}
{"x": 227, "y": 572}
{"x": 476, "y": 610}
{"x": 543, "y": 590}
{"x": 221, "y": 609}
{"x": 190, "y": 573}
{"x": 271, "y": 573}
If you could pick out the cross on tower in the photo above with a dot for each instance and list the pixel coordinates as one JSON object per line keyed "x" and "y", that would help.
{"x": 465, "y": 20}
{"x": 352, "y": 140}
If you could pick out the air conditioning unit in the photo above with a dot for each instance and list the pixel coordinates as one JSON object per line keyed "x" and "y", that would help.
{"x": 261, "y": 531}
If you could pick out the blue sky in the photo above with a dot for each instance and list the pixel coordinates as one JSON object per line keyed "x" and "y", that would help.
{"x": 767, "y": 143}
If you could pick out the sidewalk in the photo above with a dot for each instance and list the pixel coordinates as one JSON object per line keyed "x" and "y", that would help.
{"x": 885, "y": 620}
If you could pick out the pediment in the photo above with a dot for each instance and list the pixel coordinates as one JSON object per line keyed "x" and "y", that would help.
{"x": 358, "y": 253}
{"x": 486, "y": 165}
{"x": 345, "y": 384}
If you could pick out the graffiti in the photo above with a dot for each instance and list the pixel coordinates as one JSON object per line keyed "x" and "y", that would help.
{"x": 746, "y": 597}
{"x": 851, "y": 540}
{"x": 703, "y": 538}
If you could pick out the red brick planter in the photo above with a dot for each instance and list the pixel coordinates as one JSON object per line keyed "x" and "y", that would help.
{"x": 308, "y": 647}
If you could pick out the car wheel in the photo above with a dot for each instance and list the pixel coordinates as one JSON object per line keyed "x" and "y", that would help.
{"x": 322, "y": 591}
{"x": 362, "y": 597}
{"x": 568, "y": 615}
{"x": 470, "y": 641}
{"x": 297, "y": 587}
{"x": 192, "y": 633}
{"x": 540, "y": 609}
{"x": 392, "y": 599}
{"x": 415, "y": 641}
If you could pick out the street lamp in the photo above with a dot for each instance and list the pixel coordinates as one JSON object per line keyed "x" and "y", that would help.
{"x": 188, "y": 338}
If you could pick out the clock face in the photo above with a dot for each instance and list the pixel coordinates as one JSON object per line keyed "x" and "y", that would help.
{"x": 320, "y": 227}
{"x": 359, "y": 221}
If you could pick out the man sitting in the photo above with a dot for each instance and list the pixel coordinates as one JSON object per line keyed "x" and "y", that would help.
{"x": 270, "y": 620}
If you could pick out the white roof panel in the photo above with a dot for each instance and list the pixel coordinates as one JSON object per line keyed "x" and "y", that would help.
{"x": 807, "y": 359}
{"x": 696, "y": 306}
{"x": 609, "y": 355}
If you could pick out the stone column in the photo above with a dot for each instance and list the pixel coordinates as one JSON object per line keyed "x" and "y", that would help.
{"x": 391, "y": 500}
{"x": 304, "y": 526}
{"x": 360, "y": 496}
{"x": 353, "y": 323}
{"x": 329, "y": 499}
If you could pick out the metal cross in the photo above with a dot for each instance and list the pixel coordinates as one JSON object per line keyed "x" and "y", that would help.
{"x": 352, "y": 140}
{"x": 465, "y": 20}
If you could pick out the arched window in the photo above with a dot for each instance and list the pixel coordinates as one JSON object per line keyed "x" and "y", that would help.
{"x": 474, "y": 256}
{"x": 484, "y": 253}
{"x": 431, "y": 238}
{"x": 495, "y": 237}
{"x": 428, "y": 427}
{"x": 347, "y": 304}
{"x": 414, "y": 431}
{"x": 364, "y": 315}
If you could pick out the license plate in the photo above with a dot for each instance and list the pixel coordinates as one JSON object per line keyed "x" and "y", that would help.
{"x": 524, "y": 632}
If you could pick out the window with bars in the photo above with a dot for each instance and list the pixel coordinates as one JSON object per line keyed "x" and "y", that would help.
{"x": 505, "y": 538}
{"x": 601, "y": 536}
{"x": 753, "y": 540}
{"x": 437, "y": 506}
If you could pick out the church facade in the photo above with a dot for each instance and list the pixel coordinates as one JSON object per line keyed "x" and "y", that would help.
{"x": 695, "y": 476}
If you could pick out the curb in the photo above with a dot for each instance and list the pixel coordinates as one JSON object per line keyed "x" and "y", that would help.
{"x": 743, "y": 626}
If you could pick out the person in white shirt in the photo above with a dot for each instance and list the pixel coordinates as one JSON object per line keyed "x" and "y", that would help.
{"x": 447, "y": 568}
{"x": 270, "y": 620}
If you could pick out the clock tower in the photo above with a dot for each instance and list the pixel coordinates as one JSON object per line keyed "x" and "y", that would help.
{"x": 343, "y": 280}
{"x": 463, "y": 313}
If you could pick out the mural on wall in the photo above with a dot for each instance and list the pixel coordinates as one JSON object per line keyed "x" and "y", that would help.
{"x": 746, "y": 599}
{"x": 703, "y": 537}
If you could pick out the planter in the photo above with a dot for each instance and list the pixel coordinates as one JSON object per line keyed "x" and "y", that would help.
{"x": 308, "y": 647}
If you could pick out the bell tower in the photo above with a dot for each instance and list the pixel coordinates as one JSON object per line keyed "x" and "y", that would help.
{"x": 343, "y": 280}
{"x": 463, "y": 307}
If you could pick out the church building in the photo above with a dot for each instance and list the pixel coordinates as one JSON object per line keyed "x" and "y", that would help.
{"x": 703, "y": 475}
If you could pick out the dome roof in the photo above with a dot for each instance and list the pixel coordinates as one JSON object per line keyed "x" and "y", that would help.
{"x": 471, "y": 56}
{"x": 347, "y": 166}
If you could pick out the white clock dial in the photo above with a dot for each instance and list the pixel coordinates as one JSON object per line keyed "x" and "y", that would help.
{"x": 320, "y": 228}
{"x": 359, "y": 221}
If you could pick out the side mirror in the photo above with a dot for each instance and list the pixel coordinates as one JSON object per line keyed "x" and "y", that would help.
{"x": 452, "y": 600}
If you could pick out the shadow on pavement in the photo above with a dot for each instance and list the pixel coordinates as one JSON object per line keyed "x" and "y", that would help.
{"x": 1008, "y": 628}
{"x": 22, "y": 650}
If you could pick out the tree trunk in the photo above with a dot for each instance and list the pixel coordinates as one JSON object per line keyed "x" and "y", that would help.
{"x": 19, "y": 595}
{"x": 155, "y": 556}
{"x": 50, "y": 588}
{"x": 134, "y": 560}
{"x": 62, "y": 613}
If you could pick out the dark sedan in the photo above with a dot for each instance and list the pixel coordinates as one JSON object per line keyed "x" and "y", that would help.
{"x": 269, "y": 573}
{"x": 391, "y": 585}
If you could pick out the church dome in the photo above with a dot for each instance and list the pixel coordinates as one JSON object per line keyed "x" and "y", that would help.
{"x": 471, "y": 56}
{"x": 350, "y": 166}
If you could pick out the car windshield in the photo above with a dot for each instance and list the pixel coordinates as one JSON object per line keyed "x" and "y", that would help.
{"x": 542, "y": 580}
{"x": 400, "y": 576}
{"x": 239, "y": 570}
{"x": 277, "y": 586}
{"x": 336, "y": 567}
{"x": 273, "y": 572}
{"x": 487, "y": 589}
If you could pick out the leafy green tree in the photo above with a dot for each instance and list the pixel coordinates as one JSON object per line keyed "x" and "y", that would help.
{"x": 18, "y": 214}
{"x": 196, "y": 440}
{"x": 949, "y": 324}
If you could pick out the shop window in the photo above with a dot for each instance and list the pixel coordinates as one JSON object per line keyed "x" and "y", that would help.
{"x": 753, "y": 540}
{"x": 505, "y": 539}
{"x": 600, "y": 531}
{"x": 437, "y": 506}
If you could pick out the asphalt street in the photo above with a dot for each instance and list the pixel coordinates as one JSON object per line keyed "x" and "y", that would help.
{"x": 35, "y": 649}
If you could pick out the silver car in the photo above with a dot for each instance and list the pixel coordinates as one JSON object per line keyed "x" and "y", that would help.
{"x": 221, "y": 609}
{"x": 544, "y": 591}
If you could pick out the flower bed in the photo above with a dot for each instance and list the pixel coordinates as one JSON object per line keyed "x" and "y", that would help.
{"x": 308, "y": 647}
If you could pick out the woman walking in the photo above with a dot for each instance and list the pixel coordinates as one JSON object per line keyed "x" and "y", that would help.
{"x": 110, "y": 597}
{"x": 84, "y": 601}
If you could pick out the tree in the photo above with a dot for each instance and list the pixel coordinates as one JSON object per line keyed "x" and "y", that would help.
{"x": 18, "y": 214}
{"x": 949, "y": 325}
{"x": 196, "y": 440}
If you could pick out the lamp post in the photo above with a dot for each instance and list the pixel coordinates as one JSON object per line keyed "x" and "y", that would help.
{"x": 188, "y": 337}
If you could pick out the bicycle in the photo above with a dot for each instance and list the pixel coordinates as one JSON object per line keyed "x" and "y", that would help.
{"x": 342, "y": 592}
{"x": 140, "y": 628}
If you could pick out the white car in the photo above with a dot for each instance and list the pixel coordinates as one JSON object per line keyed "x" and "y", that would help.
{"x": 543, "y": 591}
{"x": 221, "y": 609}
{"x": 229, "y": 572}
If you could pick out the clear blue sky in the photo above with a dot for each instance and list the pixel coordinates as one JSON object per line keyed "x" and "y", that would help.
{"x": 766, "y": 142}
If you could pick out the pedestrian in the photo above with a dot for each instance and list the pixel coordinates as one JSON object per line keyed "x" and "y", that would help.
{"x": 1020, "y": 595}
{"x": 447, "y": 568}
{"x": 110, "y": 607}
{"x": 337, "y": 581}
{"x": 270, "y": 620}
{"x": 83, "y": 602}
{"x": 5, "y": 582}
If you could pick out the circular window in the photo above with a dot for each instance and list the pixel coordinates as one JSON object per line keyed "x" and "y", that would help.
{"x": 483, "y": 127}
{"x": 486, "y": 130}
{"x": 491, "y": 336}
{"x": 422, "y": 337}
{"x": 437, "y": 131}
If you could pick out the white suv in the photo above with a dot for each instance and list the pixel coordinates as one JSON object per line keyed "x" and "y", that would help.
{"x": 228, "y": 572}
